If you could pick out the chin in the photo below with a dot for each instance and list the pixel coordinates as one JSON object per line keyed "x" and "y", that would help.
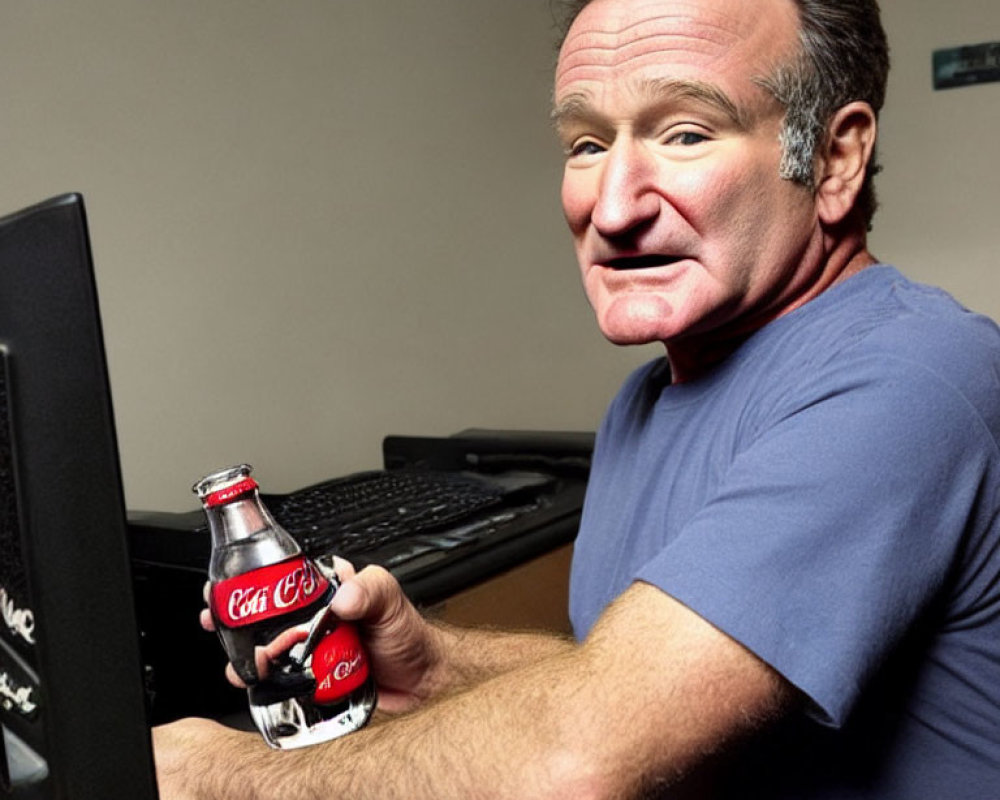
{"x": 625, "y": 324}
{"x": 633, "y": 335}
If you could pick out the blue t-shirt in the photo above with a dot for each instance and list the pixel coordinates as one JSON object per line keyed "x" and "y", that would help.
{"x": 829, "y": 496}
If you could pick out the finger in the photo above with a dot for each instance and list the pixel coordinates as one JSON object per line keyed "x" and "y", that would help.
{"x": 334, "y": 568}
{"x": 372, "y": 595}
{"x": 265, "y": 656}
{"x": 344, "y": 568}
{"x": 282, "y": 643}
{"x": 233, "y": 678}
{"x": 262, "y": 662}
{"x": 206, "y": 590}
{"x": 205, "y": 618}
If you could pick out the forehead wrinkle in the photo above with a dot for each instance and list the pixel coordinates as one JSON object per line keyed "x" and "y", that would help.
{"x": 618, "y": 57}
{"x": 654, "y": 45}
{"x": 611, "y": 42}
{"x": 723, "y": 30}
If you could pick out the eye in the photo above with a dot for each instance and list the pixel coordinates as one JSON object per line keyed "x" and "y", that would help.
{"x": 587, "y": 147}
{"x": 687, "y": 138}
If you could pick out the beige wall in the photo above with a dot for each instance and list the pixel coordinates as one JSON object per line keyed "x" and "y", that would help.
{"x": 940, "y": 191}
{"x": 316, "y": 222}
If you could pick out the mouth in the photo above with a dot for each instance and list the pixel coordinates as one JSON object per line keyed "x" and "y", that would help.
{"x": 642, "y": 262}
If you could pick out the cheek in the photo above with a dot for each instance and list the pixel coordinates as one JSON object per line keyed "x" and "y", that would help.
{"x": 724, "y": 205}
{"x": 577, "y": 201}
{"x": 711, "y": 193}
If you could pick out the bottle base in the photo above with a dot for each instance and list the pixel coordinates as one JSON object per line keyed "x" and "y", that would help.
{"x": 293, "y": 723}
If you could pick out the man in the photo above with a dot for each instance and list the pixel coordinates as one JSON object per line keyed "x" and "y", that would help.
{"x": 787, "y": 580}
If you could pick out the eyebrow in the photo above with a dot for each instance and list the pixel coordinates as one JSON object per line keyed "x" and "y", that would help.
{"x": 576, "y": 107}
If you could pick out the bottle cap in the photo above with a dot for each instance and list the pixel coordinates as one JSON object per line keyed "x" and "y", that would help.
{"x": 225, "y": 485}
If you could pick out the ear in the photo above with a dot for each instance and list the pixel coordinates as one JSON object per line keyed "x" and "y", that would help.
{"x": 848, "y": 148}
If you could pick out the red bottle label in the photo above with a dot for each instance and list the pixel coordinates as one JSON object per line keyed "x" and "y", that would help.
{"x": 339, "y": 664}
{"x": 267, "y": 592}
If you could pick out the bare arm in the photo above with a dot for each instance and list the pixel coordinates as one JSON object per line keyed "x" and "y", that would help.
{"x": 477, "y": 655}
{"x": 417, "y": 660}
{"x": 652, "y": 691}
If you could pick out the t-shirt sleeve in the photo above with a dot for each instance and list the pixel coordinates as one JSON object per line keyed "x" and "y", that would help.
{"x": 835, "y": 526}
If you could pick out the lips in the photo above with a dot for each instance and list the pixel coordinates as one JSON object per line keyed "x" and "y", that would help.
{"x": 641, "y": 262}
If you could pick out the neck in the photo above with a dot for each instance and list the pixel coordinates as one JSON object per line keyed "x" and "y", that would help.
{"x": 844, "y": 257}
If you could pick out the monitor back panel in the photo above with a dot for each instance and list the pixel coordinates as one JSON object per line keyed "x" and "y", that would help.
{"x": 71, "y": 692}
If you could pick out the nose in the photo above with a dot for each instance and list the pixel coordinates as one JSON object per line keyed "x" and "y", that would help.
{"x": 627, "y": 199}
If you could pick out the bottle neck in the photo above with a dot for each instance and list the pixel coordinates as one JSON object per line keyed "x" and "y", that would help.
{"x": 238, "y": 519}
{"x": 244, "y": 534}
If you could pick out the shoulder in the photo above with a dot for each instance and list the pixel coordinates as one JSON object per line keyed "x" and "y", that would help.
{"x": 880, "y": 326}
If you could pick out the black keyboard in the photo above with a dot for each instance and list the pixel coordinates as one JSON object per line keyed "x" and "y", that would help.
{"x": 367, "y": 511}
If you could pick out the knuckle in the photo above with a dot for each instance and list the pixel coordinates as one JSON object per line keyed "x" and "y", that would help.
{"x": 377, "y": 575}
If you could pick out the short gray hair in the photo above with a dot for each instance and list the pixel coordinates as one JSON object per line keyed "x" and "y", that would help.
{"x": 844, "y": 57}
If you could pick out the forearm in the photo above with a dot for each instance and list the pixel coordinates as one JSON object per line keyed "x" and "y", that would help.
{"x": 469, "y": 656}
{"x": 496, "y": 740}
{"x": 493, "y": 740}
{"x": 651, "y": 692}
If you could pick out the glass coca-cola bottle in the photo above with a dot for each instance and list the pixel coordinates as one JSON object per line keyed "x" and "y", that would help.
{"x": 261, "y": 585}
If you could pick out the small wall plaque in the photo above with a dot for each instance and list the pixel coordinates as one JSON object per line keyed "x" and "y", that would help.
{"x": 963, "y": 66}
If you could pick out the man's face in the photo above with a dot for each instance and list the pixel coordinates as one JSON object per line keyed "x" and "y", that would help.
{"x": 682, "y": 226}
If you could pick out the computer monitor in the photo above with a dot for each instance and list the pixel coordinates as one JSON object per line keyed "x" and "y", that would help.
{"x": 72, "y": 699}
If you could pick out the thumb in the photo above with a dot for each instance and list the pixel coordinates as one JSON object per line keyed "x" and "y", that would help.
{"x": 372, "y": 596}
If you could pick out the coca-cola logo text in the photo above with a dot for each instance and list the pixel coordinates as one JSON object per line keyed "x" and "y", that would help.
{"x": 345, "y": 669}
{"x": 267, "y": 592}
{"x": 245, "y": 603}
{"x": 295, "y": 585}
{"x": 339, "y": 664}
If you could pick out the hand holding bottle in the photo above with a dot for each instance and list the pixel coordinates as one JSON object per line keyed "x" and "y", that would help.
{"x": 404, "y": 649}
{"x": 261, "y": 586}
